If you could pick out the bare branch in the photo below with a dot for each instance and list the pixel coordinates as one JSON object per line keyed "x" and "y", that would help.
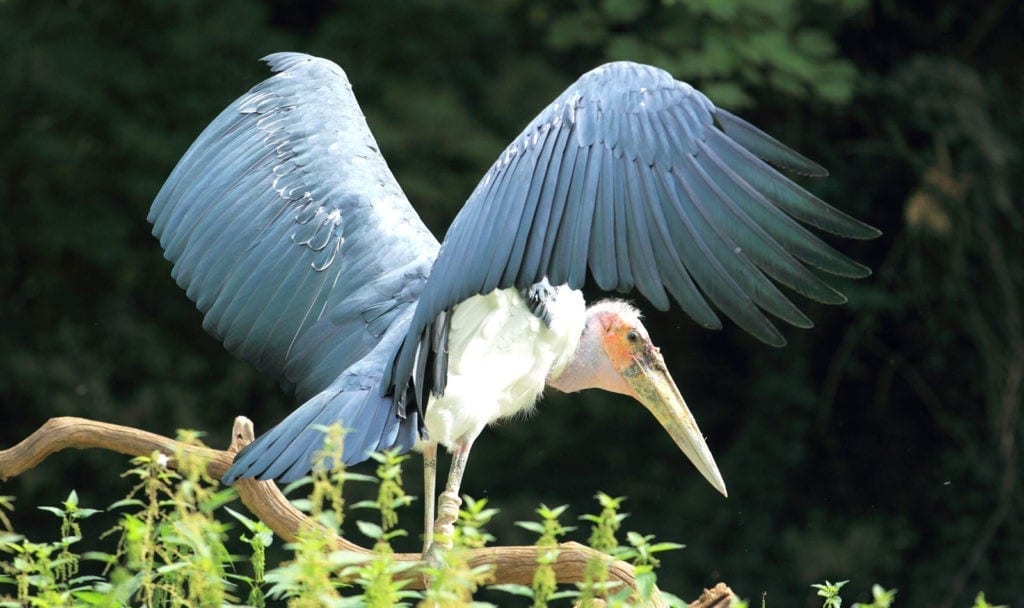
{"x": 264, "y": 499}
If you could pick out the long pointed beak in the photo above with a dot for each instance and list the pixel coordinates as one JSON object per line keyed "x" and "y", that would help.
{"x": 654, "y": 387}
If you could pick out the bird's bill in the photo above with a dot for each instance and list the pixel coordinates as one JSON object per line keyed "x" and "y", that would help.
{"x": 653, "y": 386}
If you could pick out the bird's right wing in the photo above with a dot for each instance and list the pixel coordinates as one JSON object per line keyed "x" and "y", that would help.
{"x": 288, "y": 230}
{"x": 637, "y": 180}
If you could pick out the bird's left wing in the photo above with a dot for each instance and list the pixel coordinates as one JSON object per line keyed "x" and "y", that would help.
{"x": 640, "y": 180}
{"x": 288, "y": 230}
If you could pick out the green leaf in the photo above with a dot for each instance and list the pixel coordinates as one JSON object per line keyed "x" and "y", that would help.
{"x": 94, "y": 598}
{"x": 645, "y": 582}
{"x": 298, "y": 483}
{"x": 370, "y": 529}
{"x": 84, "y": 513}
{"x": 521, "y": 590}
{"x": 100, "y": 556}
{"x": 349, "y": 476}
{"x": 303, "y": 504}
{"x": 172, "y": 567}
{"x": 248, "y": 522}
{"x": 127, "y": 502}
{"x": 532, "y": 526}
{"x": 666, "y": 546}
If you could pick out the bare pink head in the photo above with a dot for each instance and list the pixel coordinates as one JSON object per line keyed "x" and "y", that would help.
{"x": 615, "y": 353}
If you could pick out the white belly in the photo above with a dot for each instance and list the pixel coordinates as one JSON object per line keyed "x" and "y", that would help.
{"x": 499, "y": 357}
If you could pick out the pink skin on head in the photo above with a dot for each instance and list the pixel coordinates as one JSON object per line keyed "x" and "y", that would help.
{"x": 604, "y": 351}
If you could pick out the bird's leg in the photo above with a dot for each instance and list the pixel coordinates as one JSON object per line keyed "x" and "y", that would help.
{"x": 429, "y": 490}
{"x": 448, "y": 503}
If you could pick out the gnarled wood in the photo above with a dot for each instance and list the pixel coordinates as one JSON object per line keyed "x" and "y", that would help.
{"x": 264, "y": 499}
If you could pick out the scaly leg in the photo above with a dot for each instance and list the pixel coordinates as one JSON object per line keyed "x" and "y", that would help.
{"x": 449, "y": 502}
{"x": 429, "y": 490}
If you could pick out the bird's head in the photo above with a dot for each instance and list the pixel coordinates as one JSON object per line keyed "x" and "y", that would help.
{"x": 616, "y": 354}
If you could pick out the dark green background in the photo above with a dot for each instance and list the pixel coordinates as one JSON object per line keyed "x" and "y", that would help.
{"x": 882, "y": 446}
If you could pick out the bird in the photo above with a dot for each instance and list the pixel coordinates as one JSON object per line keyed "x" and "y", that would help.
{"x": 285, "y": 226}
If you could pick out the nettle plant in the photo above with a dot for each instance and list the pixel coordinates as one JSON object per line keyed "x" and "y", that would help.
{"x": 174, "y": 526}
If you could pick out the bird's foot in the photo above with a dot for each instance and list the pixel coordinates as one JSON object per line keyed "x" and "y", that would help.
{"x": 433, "y": 557}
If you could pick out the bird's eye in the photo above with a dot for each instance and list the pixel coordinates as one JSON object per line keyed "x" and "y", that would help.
{"x": 632, "y": 336}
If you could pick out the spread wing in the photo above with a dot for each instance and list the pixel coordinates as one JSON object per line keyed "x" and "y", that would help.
{"x": 641, "y": 181}
{"x": 288, "y": 230}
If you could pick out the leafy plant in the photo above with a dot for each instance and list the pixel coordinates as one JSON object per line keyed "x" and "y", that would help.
{"x": 830, "y": 591}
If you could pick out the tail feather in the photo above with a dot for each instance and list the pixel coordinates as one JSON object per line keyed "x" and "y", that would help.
{"x": 286, "y": 452}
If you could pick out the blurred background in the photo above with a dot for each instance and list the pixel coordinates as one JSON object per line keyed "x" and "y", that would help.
{"x": 884, "y": 445}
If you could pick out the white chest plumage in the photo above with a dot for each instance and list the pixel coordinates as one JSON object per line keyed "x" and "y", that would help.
{"x": 499, "y": 356}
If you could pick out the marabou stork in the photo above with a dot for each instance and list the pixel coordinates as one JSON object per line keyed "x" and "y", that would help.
{"x": 288, "y": 230}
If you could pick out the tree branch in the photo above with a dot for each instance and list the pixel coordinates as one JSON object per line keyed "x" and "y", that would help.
{"x": 264, "y": 499}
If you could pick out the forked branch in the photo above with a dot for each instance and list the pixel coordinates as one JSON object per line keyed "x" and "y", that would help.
{"x": 264, "y": 499}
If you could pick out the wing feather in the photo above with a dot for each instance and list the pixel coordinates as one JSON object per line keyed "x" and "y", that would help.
{"x": 574, "y": 233}
{"x": 619, "y": 229}
{"x": 638, "y": 245}
{"x": 676, "y": 277}
{"x": 288, "y": 230}
{"x": 641, "y": 181}
{"x": 786, "y": 194}
{"x": 281, "y": 210}
{"x": 551, "y": 200}
{"x": 601, "y": 254}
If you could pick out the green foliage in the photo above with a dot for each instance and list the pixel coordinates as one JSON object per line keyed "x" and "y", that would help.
{"x": 6, "y": 504}
{"x": 172, "y": 553}
{"x": 260, "y": 538}
{"x": 604, "y": 526}
{"x": 319, "y": 573}
{"x": 830, "y": 591}
{"x": 70, "y": 532}
{"x": 606, "y": 523}
{"x": 549, "y": 530}
{"x": 595, "y": 585}
{"x": 169, "y": 538}
{"x": 326, "y": 501}
{"x": 452, "y": 581}
{"x": 473, "y": 516}
{"x": 391, "y": 496}
{"x": 979, "y": 602}
{"x": 881, "y": 598}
